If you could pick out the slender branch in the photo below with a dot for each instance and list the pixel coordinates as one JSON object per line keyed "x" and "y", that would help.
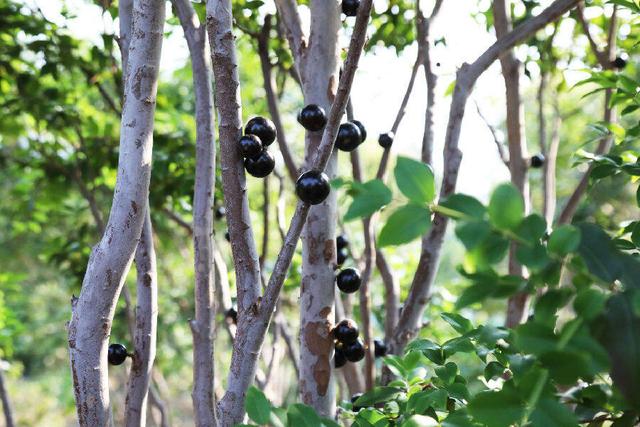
{"x": 160, "y": 405}
{"x": 264, "y": 252}
{"x": 92, "y": 312}
{"x": 146, "y": 320}
{"x": 6, "y": 404}
{"x": 494, "y": 134}
{"x": 178, "y": 220}
{"x": 272, "y": 102}
{"x": 466, "y": 77}
{"x": 290, "y": 18}
{"x": 601, "y": 57}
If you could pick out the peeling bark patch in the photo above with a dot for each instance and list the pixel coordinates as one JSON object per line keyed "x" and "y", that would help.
{"x": 109, "y": 277}
{"x": 146, "y": 280}
{"x": 317, "y": 337}
{"x": 332, "y": 88}
{"x": 329, "y": 252}
{"x": 138, "y": 143}
{"x": 143, "y": 81}
{"x": 134, "y": 207}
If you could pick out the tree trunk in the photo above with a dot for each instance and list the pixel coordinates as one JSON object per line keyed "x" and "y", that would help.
{"x": 6, "y": 404}
{"x": 92, "y": 312}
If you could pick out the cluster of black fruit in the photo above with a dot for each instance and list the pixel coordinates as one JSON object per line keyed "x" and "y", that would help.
{"x": 348, "y": 346}
{"x": 350, "y": 7}
{"x": 342, "y": 245}
{"x": 117, "y": 354}
{"x": 259, "y": 133}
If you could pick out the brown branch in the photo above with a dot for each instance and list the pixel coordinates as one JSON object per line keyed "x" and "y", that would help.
{"x": 494, "y": 134}
{"x": 264, "y": 253}
{"x": 4, "y": 397}
{"x": 466, "y": 77}
{"x": 290, "y": 19}
{"x": 601, "y": 57}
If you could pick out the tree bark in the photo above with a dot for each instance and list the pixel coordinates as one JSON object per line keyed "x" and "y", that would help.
{"x": 92, "y": 312}
{"x": 467, "y": 75}
{"x": 146, "y": 327}
{"x": 202, "y": 326}
{"x": 6, "y": 404}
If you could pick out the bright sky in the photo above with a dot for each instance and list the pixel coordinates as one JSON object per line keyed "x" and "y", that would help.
{"x": 381, "y": 83}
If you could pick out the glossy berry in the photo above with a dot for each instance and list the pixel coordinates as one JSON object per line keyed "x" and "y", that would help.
{"x": 619, "y": 63}
{"x": 339, "y": 359}
{"x": 312, "y": 117}
{"x": 386, "y": 139}
{"x": 227, "y": 236}
{"x": 350, "y": 7}
{"x": 348, "y": 280}
{"x": 355, "y": 397}
{"x": 261, "y": 166}
{"x": 380, "y": 348}
{"x": 342, "y": 256}
{"x": 348, "y": 138}
{"x": 117, "y": 354}
{"x": 537, "y": 161}
{"x": 313, "y": 187}
{"x": 250, "y": 146}
{"x": 342, "y": 242}
{"x": 220, "y": 212}
{"x": 354, "y": 351}
{"x": 263, "y": 128}
{"x": 346, "y": 332}
{"x": 363, "y": 130}
{"x": 232, "y": 315}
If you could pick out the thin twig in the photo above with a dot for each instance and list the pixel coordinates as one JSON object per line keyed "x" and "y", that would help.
{"x": 494, "y": 133}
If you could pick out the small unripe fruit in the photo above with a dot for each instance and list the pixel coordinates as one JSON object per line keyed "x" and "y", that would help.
{"x": 341, "y": 256}
{"x": 346, "y": 332}
{"x": 263, "y": 128}
{"x": 354, "y": 351}
{"x": 232, "y": 315}
{"x": 348, "y": 138}
{"x": 619, "y": 63}
{"x": 313, "y": 187}
{"x": 363, "y": 130}
{"x": 350, "y": 7}
{"x": 386, "y": 139}
{"x": 339, "y": 359}
{"x": 537, "y": 161}
{"x": 312, "y": 118}
{"x": 379, "y": 348}
{"x": 348, "y": 280}
{"x": 261, "y": 166}
{"x": 341, "y": 242}
{"x": 117, "y": 354}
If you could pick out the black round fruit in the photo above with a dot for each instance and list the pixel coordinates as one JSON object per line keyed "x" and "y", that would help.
{"x": 537, "y": 161}
{"x": 342, "y": 242}
{"x": 349, "y": 137}
{"x": 354, "y": 351}
{"x": 312, "y": 117}
{"x": 117, "y": 354}
{"x": 346, "y": 332}
{"x": 386, "y": 139}
{"x": 363, "y": 130}
{"x": 342, "y": 256}
{"x": 250, "y": 146}
{"x": 350, "y": 7}
{"x": 619, "y": 63}
{"x": 348, "y": 280}
{"x": 379, "y": 348}
{"x": 220, "y": 212}
{"x": 355, "y": 397}
{"x": 313, "y": 187}
{"x": 227, "y": 236}
{"x": 232, "y": 315}
{"x": 339, "y": 359}
{"x": 261, "y": 166}
{"x": 263, "y": 128}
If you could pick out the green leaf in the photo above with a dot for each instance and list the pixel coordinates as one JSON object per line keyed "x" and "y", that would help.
{"x": 496, "y": 409}
{"x": 589, "y": 303}
{"x": 447, "y": 373}
{"x": 564, "y": 240}
{"x": 430, "y": 349}
{"x": 421, "y": 401}
{"x": 493, "y": 370}
{"x": 301, "y": 415}
{"x": 377, "y": 395}
{"x": 535, "y": 338}
{"x": 461, "y": 324}
{"x": 415, "y": 180}
{"x": 472, "y": 233}
{"x": 395, "y": 364}
{"x": 419, "y": 421}
{"x": 532, "y": 228}
{"x": 368, "y": 199}
{"x": 506, "y": 207}
{"x": 565, "y": 367}
{"x": 457, "y": 345}
{"x": 257, "y": 406}
{"x": 551, "y": 413}
{"x": 464, "y": 206}
{"x": 405, "y": 224}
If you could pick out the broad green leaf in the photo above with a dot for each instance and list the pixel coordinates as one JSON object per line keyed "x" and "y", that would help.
{"x": 463, "y": 206}
{"x": 472, "y": 233}
{"x": 368, "y": 199}
{"x": 461, "y": 324}
{"x": 434, "y": 398}
{"x": 257, "y": 406}
{"x": 419, "y": 421}
{"x": 407, "y": 223}
{"x": 506, "y": 207}
{"x": 302, "y": 415}
{"x": 589, "y": 303}
{"x": 496, "y": 409}
{"x": 532, "y": 228}
{"x": 565, "y": 367}
{"x": 551, "y": 413}
{"x": 458, "y": 418}
{"x": 430, "y": 349}
{"x": 415, "y": 180}
{"x": 377, "y": 395}
{"x": 447, "y": 372}
{"x": 535, "y": 338}
{"x": 370, "y": 417}
{"x": 493, "y": 370}
{"x": 564, "y": 240}
{"x": 457, "y": 345}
